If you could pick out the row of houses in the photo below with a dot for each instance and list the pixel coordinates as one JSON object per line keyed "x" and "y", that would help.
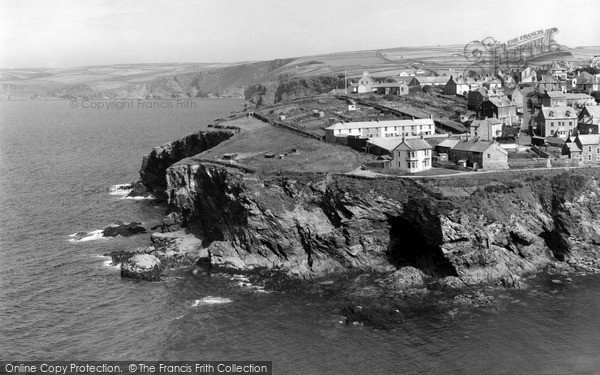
{"x": 380, "y": 129}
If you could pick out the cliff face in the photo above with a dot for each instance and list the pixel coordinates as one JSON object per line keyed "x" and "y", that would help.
{"x": 154, "y": 165}
{"x": 312, "y": 224}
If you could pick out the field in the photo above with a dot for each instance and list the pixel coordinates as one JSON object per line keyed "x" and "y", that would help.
{"x": 298, "y": 154}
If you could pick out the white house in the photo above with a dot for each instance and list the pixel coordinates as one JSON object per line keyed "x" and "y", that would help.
{"x": 412, "y": 155}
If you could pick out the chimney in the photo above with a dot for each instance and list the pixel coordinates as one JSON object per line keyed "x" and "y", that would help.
{"x": 430, "y": 116}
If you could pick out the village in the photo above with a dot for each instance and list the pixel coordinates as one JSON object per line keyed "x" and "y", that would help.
{"x": 444, "y": 122}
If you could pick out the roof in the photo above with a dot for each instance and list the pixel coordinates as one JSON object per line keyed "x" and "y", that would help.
{"x": 500, "y": 101}
{"x": 587, "y": 78}
{"x": 476, "y": 146}
{"x": 573, "y": 147}
{"x": 548, "y": 79}
{"x": 390, "y": 84}
{"x": 385, "y": 143}
{"x": 493, "y": 121}
{"x": 414, "y": 144}
{"x": 377, "y": 124}
{"x": 554, "y": 94}
{"x": 588, "y": 139}
{"x": 448, "y": 143}
{"x": 578, "y": 95}
{"x": 559, "y": 112}
{"x": 593, "y": 110}
{"x": 426, "y": 80}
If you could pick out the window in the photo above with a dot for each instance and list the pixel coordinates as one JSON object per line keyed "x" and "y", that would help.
{"x": 589, "y": 148}
{"x": 489, "y": 156}
{"x": 589, "y": 157}
{"x": 385, "y": 129}
{"x": 427, "y": 152}
{"x": 598, "y": 150}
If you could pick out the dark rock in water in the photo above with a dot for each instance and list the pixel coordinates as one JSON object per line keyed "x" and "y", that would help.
{"x": 512, "y": 281}
{"x": 124, "y": 230}
{"x": 377, "y": 317}
{"x": 142, "y": 267}
{"x": 406, "y": 277}
{"x": 451, "y": 282}
{"x": 475, "y": 299}
{"x": 138, "y": 190}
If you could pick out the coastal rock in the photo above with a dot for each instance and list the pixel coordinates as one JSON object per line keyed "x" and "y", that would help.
{"x": 138, "y": 190}
{"x": 178, "y": 248}
{"x": 124, "y": 230}
{"x": 120, "y": 256}
{"x": 312, "y": 224}
{"x": 405, "y": 277}
{"x": 142, "y": 267}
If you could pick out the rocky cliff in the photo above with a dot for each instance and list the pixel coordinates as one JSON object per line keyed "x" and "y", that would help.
{"x": 311, "y": 224}
{"x": 154, "y": 165}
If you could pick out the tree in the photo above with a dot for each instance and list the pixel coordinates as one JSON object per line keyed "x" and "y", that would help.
{"x": 596, "y": 95}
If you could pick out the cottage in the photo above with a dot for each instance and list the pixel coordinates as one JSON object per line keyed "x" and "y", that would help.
{"x": 428, "y": 81}
{"x": 476, "y": 97}
{"x": 380, "y": 129}
{"x": 391, "y": 88}
{"x": 588, "y": 83}
{"x": 500, "y": 108}
{"x": 558, "y": 71}
{"x": 589, "y": 144}
{"x": 445, "y": 146}
{"x": 460, "y": 86}
{"x": 571, "y": 150}
{"x": 364, "y": 84}
{"x": 412, "y": 155}
{"x": 556, "y": 121}
{"x": 486, "y": 130}
{"x": 589, "y": 120}
{"x": 549, "y": 83}
{"x": 528, "y": 75}
{"x": 493, "y": 84}
{"x": 553, "y": 99}
{"x": 482, "y": 154}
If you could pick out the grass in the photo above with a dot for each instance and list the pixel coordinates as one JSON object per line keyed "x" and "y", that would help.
{"x": 258, "y": 139}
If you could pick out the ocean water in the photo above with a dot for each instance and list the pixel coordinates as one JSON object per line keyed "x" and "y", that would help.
{"x": 61, "y": 300}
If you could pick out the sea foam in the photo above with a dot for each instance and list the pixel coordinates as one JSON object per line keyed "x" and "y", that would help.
{"x": 89, "y": 236}
{"x": 210, "y": 300}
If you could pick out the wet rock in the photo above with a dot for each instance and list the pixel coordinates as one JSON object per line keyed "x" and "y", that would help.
{"x": 80, "y": 235}
{"x": 406, "y": 277}
{"x": 178, "y": 248}
{"x": 451, "y": 282}
{"x": 142, "y": 267}
{"x": 223, "y": 254}
{"x": 475, "y": 299}
{"x": 138, "y": 190}
{"x": 124, "y": 230}
{"x": 512, "y": 282}
{"x": 383, "y": 318}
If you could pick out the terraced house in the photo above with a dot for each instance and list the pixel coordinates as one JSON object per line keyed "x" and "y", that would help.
{"x": 374, "y": 129}
{"x": 584, "y": 146}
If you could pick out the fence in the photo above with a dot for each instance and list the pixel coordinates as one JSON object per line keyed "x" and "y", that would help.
{"x": 287, "y": 127}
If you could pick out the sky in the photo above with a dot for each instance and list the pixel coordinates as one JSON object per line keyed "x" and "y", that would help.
{"x": 66, "y": 33}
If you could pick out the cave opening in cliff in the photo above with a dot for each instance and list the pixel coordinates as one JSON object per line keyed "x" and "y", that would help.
{"x": 414, "y": 245}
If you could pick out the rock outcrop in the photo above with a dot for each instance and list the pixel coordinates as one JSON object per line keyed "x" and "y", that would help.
{"x": 142, "y": 267}
{"x": 314, "y": 224}
{"x": 154, "y": 165}
{"x": 123, "y": 229}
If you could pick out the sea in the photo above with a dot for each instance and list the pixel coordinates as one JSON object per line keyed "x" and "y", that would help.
{"x": 62, "y": 299}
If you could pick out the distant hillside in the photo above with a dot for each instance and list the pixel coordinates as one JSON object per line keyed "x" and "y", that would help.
{"x": 277, "y": 79}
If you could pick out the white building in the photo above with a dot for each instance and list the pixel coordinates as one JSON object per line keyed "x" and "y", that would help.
{"x": 412, "y": 155}
{"x": 374, "y": 129}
